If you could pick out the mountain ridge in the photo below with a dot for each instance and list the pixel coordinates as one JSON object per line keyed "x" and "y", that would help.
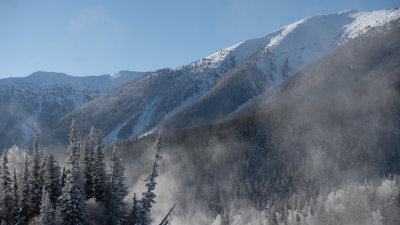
{"x": 196, "y": 94}
{"x": 178, "y": 101}
{"x": 261, "y": 72}
{"x": 29, "y": 104}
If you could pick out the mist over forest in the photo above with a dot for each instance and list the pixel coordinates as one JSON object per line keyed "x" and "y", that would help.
{"x": 271, "y": 131}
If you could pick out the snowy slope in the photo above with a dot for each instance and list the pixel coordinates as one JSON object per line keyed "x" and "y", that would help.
{"x": 305, "y": 41}
{"x": 288, "y": 51}
{"x": 29, "y": 104}
{"x": 208, "y": 89}
{"x": 355, "y": 74}
{"x": 157, "y": 96}
{"x": 364, "y": 21}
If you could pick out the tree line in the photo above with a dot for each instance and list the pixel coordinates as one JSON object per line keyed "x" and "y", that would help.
{"x": 82, "y": 192}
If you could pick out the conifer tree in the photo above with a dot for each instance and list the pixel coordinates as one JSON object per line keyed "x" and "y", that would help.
{"x": 47, "y": 210}
{"x": 16, "y": 194}
{"x": 92, "y": 142}
{"x": 43, "y": 161}
{"x": 168, "y": 218}
{"x": 100, "y": 174}
{"x": 24, "y": 212}
{"x": 92, "y": 137}
{"x": 63, "y": 177}
{"x": 52, "y": 180}
{"x": 87, "y": 167}
{"x": 147, "y": 200}
{"x": 133, "y": 218}
{"x": 35, "y": 179}
{"x": 72, "y": 201}
{"x": 80, "y": 135}
{"x": 117, "y": 190}
{"x": 6, "y": 198}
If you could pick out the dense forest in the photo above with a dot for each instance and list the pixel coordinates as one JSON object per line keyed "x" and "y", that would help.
{"x": 35, "y": 190}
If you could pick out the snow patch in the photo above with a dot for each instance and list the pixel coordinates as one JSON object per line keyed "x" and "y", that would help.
{"x": 115, "y": 75}
{"x": 144, "y": 119}
{"x": 216, "y": 58}
{"x": 367, "y": 20}
{"x": 286, "y": 30}
{"x": 109, "y": 139}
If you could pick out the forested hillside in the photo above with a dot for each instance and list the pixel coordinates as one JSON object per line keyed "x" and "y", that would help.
{"x": 335, "y": 123}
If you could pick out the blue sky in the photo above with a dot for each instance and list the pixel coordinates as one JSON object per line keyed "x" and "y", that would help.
{"x": 93, "y": 37}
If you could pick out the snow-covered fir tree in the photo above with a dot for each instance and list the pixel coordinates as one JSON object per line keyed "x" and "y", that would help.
{"x": 63, "y": 177}
{"x": 100, "y": 174}
{"x": 117, "y": 191}
{"x": 15, "y": 193}
{"x": 35, "y": 178}
{"x": 133, "y": 218}
{"x": 43, "y": 161}
{"x": 47, "y": 209}
{"x": 147, "y": 200}
{"x": 51, "y": 179}
{"x": 167, "y": 220}
{"x": 72, "y": 201}
{"x": 24, "y": 211}
{"x": 87, "y": 165}
{"x": 6, "y": 198}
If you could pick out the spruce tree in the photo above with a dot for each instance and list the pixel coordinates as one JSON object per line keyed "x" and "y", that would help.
{"x": 92, "y": 143}
{"x": 147, "y": 200}
{"x": 92, "y": 137}
{"x": 100, "y": 174}
{"x": 87, "y": 167}
{"x": 6, "y": 198}
{"x": 43, "y": 161}
{"x": 51, "y": 179}
{"x": 47, "y": 209}
{"x": 133, "y": 218}
{"x": 24, "y": 212}
{"x": 117, "y": 190}
{"x": 16, "y": 193}
{"x": 35, "y": 179}
{"x": 63, "y": 177}
{"x": 80, "y": 135}
{"x": 72, "y": 201}
{"x": 168, "y": 218}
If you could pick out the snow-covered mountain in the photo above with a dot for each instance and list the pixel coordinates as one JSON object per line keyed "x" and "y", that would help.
{"x": 30, "y": 104}
{"x": 289, "y": 50}
{"x": 211, "y": 88}
{"x": 363, "y": 73}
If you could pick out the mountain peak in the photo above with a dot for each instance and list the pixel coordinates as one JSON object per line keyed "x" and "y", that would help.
{"x": 45, "y": 74}
{"x": 122, "y": 73}
{"x": 350, "y": 22}
{"x": 347, "y": 11}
